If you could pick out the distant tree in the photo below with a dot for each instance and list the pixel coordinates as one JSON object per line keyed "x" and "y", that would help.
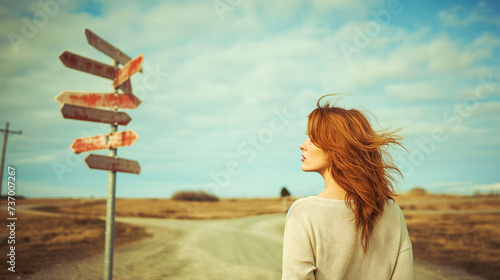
{"x": 285, "y": 196}
{"x": 284, "y": 192}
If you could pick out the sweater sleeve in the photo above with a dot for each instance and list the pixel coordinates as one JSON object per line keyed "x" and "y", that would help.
{"x": 404, "y": 266}
{"x": 298, "y": 257}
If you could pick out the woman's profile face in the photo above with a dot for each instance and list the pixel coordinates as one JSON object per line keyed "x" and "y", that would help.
{"x": 313, "y": 158}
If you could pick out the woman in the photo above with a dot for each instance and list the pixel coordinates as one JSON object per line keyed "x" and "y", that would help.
{"x": 353, "y": 229}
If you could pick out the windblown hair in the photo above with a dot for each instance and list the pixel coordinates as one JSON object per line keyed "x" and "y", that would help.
{"x": 359, "y": 161}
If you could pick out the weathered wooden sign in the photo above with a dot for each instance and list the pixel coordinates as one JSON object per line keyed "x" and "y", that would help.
{"x": 98, "y": 99}
{"x": 104, "y": 141}
{"x": 113, "y": 164}
{"x": 94, "y": 115}
{"x": 88, "y": 65}
{"x": 128, "y": 70}
{"x": 106, "y": 48}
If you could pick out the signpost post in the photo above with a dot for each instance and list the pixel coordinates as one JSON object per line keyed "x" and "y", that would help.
{"x": 110, "y": 207}
{"x": 84, "y": 106}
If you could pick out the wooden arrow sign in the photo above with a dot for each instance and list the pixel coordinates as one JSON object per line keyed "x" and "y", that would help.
{"x": 88, "y": 65}
{"x": 105, "y": 47}
{"x": 94, "y": 99}
{"x": 128, "y": 70}
{"x": 126, "y": 87}
{"x": 94, "y": 115}
{"x": 104, "y": 141}
{"x": 112, "y": 164}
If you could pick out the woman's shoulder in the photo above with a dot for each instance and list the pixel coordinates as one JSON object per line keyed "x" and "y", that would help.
{"x": 312, "y": 203}
{"x": 391, "y": 205}
{"x": 299, "y": 204}
{"x": 295, "y": 203}
{"x": 392, "y": 211}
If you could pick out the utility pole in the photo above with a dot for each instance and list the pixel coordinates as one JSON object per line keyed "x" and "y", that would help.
{"x": 5, "y": 131}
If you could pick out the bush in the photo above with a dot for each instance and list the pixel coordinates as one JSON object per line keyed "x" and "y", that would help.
{"x": 194, "y": 196}
{"x": 418, "y": 191}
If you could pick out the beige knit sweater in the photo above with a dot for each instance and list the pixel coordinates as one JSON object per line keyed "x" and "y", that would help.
{"x": 321, "y": 242}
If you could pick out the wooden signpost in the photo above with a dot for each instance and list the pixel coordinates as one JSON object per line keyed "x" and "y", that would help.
{"x": 85, "y": 106}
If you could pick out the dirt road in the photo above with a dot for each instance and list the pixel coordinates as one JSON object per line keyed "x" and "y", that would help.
{"x": 243, "y": 248}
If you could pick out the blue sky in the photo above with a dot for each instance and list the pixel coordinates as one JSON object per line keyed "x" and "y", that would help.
{"x": 227, "y": 87}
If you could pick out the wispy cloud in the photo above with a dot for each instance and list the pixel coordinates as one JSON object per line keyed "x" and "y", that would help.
{"x": 460, "y": 16}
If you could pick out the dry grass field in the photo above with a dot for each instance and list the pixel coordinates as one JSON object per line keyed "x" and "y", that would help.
{"x": 444, "y": 229}
{"x": 45, "y": 241}
{"x": 467, "y": 241}
{"x": 450, "y": 230}
{"x": 447, "y": 202}
{"x": 175, "y": 209}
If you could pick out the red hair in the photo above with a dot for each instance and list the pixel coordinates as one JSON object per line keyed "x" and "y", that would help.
{"x": 359, "y": 161}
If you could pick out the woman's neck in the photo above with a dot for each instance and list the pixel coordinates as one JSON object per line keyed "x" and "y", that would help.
{"x": 332, "y": 189}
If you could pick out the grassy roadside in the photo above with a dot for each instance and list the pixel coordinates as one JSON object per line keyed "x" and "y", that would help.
{"x": 463, "y": 240}
{"x": 44, "y": 241}
{"x": 467, "y": 241}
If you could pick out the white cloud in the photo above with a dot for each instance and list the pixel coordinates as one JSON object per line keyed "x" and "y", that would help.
{"x": 416, "y": 91}
{"x": 348, "y": 8}
{"x": 34, "y": 159}
{"x": 486, "y": 40}
{"x": 460, "y": 16}
{"x": 41, "y": 189}
{"x": 488, "y": 111}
